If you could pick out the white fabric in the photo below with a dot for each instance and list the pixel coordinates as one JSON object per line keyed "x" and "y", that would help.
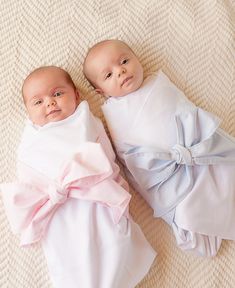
{"x": 169, "y": 145}
{"x": 83, "y": 246}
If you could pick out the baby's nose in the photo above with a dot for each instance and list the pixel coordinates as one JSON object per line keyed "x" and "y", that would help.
{"x": 51, "y": 102}
{"x": 121, "y": 71}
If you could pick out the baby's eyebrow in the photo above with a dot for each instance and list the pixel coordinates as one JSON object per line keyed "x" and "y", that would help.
{"x": 54, "y": 89}
{"x": 35, "y": 97}
{"x": 124, "y": 55}
{"x": 104, "y": 71}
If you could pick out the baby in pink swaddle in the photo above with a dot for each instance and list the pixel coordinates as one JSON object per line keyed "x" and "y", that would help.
{"x": 69, "y": 194}
{"x": 174, "y": 153}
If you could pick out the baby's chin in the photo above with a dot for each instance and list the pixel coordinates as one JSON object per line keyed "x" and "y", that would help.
{"x": 55, "y": 117}
{"x": 127, "y": 91}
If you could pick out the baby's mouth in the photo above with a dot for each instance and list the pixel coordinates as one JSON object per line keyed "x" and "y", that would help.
{"x": 53, "y": 112}
{"x": 126, "y": 80}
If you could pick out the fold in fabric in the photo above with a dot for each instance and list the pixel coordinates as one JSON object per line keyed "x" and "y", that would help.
{"x": 71, "y": 197}
{"x": 175, "y": 154}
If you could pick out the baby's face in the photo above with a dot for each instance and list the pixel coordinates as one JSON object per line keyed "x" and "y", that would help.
{"x": 49, "y": 96}
{"x": 114, "y": 69}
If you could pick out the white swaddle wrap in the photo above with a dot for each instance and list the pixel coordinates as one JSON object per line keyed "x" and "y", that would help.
{"x": 179, "y": 160}
{"x": 90, "y": 241}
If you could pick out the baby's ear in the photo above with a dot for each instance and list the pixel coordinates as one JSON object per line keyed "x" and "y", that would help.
{"x": 77, "y": 96}
{"x": 99, "y": 91}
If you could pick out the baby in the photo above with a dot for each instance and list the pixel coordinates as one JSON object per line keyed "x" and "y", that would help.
{"x": 69, "y": 193}
{"x": 175, "y": 154}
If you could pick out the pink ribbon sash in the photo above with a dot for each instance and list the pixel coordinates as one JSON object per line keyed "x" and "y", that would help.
{"x": 88, "y": 176}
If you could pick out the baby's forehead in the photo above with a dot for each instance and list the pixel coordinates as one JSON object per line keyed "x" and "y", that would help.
{"x": 105, "y": 56}
{"x": 41, "y": 74}
{"x": 101, "y": 54}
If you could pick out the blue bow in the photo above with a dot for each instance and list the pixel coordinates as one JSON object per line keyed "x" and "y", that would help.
{"x": 170, "y": 175}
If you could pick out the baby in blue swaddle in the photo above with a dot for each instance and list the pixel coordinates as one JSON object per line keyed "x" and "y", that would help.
{"x": 174, "y": 153}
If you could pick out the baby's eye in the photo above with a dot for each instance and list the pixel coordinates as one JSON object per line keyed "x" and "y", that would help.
{"x": 38, "y": 102}
{"x": 125, "y": 61}
{"x": 108, "y": 75}
{"x": 57, "y": 94}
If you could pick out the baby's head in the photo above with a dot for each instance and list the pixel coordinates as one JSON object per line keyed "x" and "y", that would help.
{"x": 113, "y": 68}
{"x": 49, "y": 95}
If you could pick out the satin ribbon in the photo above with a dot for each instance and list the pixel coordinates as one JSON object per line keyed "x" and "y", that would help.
{"x": 88, "y": 176}
{"x": 169, "y": 174}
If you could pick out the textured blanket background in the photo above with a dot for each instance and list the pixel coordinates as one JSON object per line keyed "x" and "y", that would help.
{"x": 192, "y": 41}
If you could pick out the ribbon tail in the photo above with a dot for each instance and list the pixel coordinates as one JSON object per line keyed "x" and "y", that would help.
{"x": 37, "y": 228}
{"x": 218, "y": 149}
{"x": 171, "y": 192}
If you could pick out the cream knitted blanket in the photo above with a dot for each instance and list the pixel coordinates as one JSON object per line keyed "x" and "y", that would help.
{"x": 193, "y": 42}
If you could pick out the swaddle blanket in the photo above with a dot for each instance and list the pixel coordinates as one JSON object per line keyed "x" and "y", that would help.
{"x": 179, "y": 159}
{"x": 70, "y": 196}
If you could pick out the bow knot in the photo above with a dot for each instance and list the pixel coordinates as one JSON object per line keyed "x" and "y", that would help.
{"x": 57, "y": 194}
{"x": 182, "y": 155}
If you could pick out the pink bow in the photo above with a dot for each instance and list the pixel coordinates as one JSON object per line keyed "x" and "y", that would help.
{"x": 88, "y": 176}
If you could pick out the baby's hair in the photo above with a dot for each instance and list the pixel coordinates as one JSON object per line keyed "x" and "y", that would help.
{"x": 40, "y": 69}
{"x": 92, "y": 49}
